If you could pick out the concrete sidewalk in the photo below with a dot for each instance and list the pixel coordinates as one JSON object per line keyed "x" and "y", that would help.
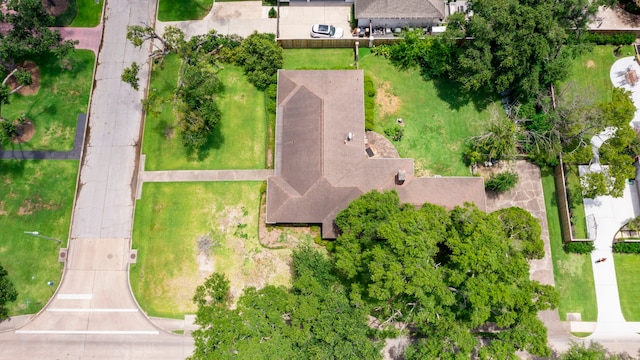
{"x": 611, "y": 214}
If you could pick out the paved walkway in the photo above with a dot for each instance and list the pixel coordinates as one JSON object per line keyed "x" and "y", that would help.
{"x": 88, "y": 38}
{"x": 528, "y": 194}
{"x": 22, "y": 154}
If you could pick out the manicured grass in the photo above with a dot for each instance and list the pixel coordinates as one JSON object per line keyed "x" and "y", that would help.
{"x": 81, "y": 13}
{"x": 573, "y": 273}
{"x": 437, "y": 116}
{"x": 589, "y": 74}
{"x": 34, "y": 196}
{"x": 238, "y": 141}
{"x": 170, "y": 10}
{"x": 576, "y": 205}
{"x": 89, "y": 13}
{"x": 169, "y": 220}
{"x": 64, "y": 93}
{"x": 628, "y": 276}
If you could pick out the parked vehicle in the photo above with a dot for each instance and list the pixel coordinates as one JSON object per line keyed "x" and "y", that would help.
{"x": 326, "y": 31}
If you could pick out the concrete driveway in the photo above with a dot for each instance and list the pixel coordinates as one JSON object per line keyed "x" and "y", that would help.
{"x": 245, "y": 17}
{"x": 296, "y": 20}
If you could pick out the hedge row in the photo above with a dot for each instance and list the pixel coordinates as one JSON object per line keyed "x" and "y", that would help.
{"x": 579, "y": 247}
{"x": 609, "y": 39}
{"x": 627, "y": 247}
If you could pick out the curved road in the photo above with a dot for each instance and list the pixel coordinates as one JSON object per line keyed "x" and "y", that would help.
{"x": 93, "y": 314}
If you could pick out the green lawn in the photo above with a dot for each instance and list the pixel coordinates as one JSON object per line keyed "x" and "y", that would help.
{"x": 35, "y": 196}
{"x": 171, "y": 218}
{"x": 81, "y": 13}
{"x": 589, "y": 74}
{"x": 576, "y": 205}
{"x": 238, "y": 141}
{"x": 170, "y": 10}
{"x": 573, "y": 273}
{"x": 628, "y": 276}
{"x": 437, "y": 117}
{"x": 64, "y": 93}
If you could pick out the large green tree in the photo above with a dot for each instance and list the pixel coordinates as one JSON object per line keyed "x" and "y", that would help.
{"x": 8, "y": 293}
{"x": 312, "y": 320}
{"x": 260, "y": 56}
{"x": 461, "y": 278}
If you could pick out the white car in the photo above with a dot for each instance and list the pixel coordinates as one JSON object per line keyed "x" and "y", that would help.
{"x": 326, "y": 31}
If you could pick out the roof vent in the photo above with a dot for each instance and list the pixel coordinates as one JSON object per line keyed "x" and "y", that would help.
{"x": 401, "y": 176}
{"x": 349, "y": 136}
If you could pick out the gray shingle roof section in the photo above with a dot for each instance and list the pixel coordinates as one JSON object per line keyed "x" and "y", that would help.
{"x": 399, "y": 9}
{"x": 318, "y": 171}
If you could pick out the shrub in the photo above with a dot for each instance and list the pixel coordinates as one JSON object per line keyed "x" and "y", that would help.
{"x": 609, "y": 39}
{"x": 369, "y": 102}
{"x": 579, "y": 247}
{"x": 627, "y": 247}
{"x": 394, "y": 132}
{"x": 502, "y": 182}
{"x": 273, "y": 13}
{"x": 634, "y": 224}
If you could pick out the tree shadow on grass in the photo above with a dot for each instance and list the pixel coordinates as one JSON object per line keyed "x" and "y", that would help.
{"x": 452, "y": 93}
{"x": 214, "y": 142}
{"x": 12, "y": 167}
{"x": 68, "y": 16}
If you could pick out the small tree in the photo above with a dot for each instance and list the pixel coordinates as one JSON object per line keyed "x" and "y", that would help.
{"x": 502, "y": 182}
{"x": 130, "y": 75}
{"x": 8, "y": 293}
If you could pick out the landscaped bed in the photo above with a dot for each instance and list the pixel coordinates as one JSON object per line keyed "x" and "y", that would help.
{"x": 63, "y": 94}
{"x": 435, "y": 116}
{"x": 573, "y": 273}
{"x": 34, "y": 196}
{"x": 175, "y": 224}
{"x": 239, "y": 138}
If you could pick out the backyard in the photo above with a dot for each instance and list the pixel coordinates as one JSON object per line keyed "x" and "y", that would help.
{"x": 63, "y": 94}
{"x": 238, "y": 141}
{"x": 35, "y": 196}
{"x": 436, "y": 117}
{"x": 199, "y": 228}
{"x": 573, "y": 273}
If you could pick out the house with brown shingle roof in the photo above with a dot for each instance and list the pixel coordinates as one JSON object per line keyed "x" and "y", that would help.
{"x": 400, "y": 13}
{"x": 321, "y": 160}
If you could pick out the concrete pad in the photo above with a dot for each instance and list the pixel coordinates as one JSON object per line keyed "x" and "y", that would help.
{"x": 296, "y": 20}
{"x": 99, "y": 254}
{"x": 583, "y": 326}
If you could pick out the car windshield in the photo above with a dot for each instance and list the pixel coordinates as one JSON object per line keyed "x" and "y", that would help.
{"x": 332, "y": 30}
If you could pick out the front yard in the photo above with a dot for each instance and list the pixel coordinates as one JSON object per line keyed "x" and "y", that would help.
{"x": 63, "y": 94}
{"x": 186, "y": 231}
{"x": 35, "y": 196}
{"x": 239, "y": 138}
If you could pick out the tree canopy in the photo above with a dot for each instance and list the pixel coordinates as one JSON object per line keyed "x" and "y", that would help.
{"x": 260, "y": 56}
{"x": 312, "y": 320}
{"x": 461, "y": 278}
{"x": 8, "y": 293}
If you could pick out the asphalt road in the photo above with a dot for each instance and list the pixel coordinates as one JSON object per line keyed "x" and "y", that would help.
{"x": 93, "y": 314}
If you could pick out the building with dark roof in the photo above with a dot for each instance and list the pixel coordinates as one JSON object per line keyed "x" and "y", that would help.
{"x": 400, "y": 13}
{"x": 321, "y": 159}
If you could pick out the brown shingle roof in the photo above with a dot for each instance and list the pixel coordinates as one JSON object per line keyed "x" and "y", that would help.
{"x": 399, "y": 9}
{"x": 318, "y": 172}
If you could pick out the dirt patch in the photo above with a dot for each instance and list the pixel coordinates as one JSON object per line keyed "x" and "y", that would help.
{"x": 591, "y": 64}
{"x": 487, "y": 171}
{"x": 386, "y": 102}
{"x": 282, "y": 236}
{"x": 55, "y": 7}
{"x": 26, "y": 130}
{"x": 29, "y": 206}
{"x": 32, "y": 89}
{"x": 2, "y": 210}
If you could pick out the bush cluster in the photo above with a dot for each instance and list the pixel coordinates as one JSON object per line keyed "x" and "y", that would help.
{"x": 579, "y": 247}
{"x": 394, "y": 132}
{"x": 627, "y": 247}
{"x": 369, "y": 102}
{"x": 502, "y": 182}
{"x": 610, "y": 39}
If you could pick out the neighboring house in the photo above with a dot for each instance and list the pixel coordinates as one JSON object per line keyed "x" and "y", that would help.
{"x": 321, "y": 157}
{"x": 400, "y": 13}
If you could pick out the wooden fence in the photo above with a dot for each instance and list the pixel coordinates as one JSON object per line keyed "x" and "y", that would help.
{"x": 332, "y": 43}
